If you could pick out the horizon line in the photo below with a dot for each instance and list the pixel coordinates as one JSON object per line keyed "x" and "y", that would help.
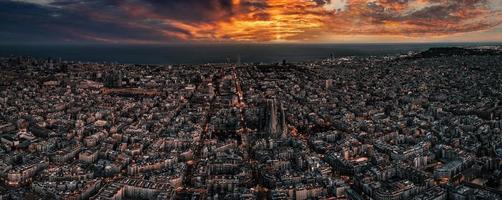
{"x": 245, "y": 43}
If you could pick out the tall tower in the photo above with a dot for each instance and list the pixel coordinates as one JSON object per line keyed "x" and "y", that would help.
{"x": 272, "y": 119}
{"x": 283, "y": 128}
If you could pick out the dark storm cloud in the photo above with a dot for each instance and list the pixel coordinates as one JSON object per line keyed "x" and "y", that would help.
{"x": 68, "y": 21}
{"x": 192, "y": 10}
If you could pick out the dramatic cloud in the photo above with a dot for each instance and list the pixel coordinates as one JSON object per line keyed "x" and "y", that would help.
{"x": 160, "y": 21}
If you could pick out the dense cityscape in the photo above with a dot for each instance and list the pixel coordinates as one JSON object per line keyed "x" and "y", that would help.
{"x": 421, "y": 126}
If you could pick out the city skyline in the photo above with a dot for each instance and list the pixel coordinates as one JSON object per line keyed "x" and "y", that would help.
{"x": 254, "y": 21}
{"x": 251, "y": 99}
{"x": 420, "y": 126}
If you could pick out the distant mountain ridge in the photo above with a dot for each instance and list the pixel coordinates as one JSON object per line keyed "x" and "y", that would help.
{"x": 458, "y": 51}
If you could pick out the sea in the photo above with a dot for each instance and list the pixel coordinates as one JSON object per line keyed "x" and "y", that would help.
{"x": 213, "y": 53}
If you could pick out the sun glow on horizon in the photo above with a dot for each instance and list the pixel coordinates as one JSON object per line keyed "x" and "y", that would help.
{"x": 149, "y": 21}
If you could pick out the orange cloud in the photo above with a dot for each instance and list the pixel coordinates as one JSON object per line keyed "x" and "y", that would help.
{"x": 280, "y": 20}
{"x": 310, "y": 20}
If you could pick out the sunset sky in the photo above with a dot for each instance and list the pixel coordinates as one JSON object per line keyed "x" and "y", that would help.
{"x": 200, "y": 21}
